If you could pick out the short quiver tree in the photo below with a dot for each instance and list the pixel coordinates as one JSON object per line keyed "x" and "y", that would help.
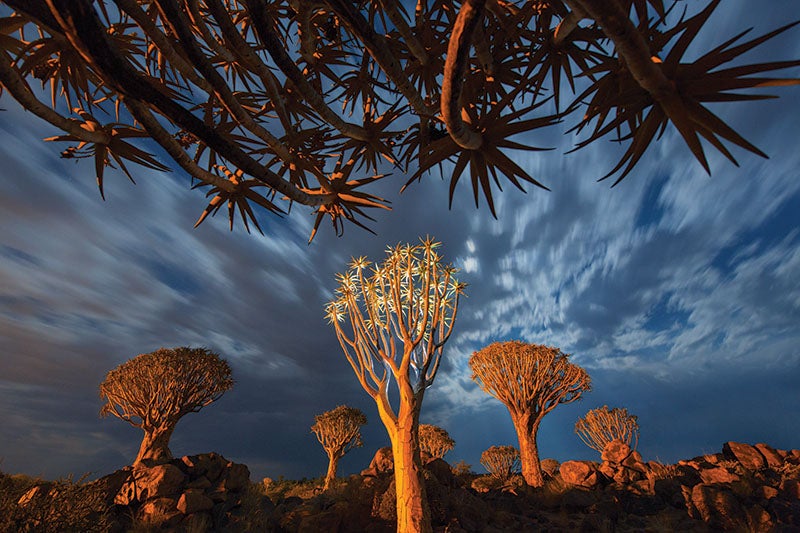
{"x": 339, "y": 431}
{"x": 603, "y": 425}
{"x": 435, "y": 440}
{"x": 392, "y": 320}
{"x": 531, "y": 380}
{"x": 154, "y": 390}
{"x": 501, "y": 462}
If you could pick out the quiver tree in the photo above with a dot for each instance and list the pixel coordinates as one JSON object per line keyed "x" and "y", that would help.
{"x": 392, "y": 320}
{"x": 501, "y": 462}
{"x": 154, "y": 390}
{"x": 531, "y": 380}
{"x": 603, "y": 425}
{"x": 339, "y": 431}
{"x": 249, "y": 97}
{"x": 435, "y": 440}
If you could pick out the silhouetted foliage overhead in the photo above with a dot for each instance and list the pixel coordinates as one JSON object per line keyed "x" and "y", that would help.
{"x": 266, "y": 102}
{"x": 603, "y": 425}
{"x": 435, "y": 440}
{"x": 501, "y": 462}
{"x": 153, "y": 391}
{"x": 531, "y": 380}
{"x": 339, "y": 431}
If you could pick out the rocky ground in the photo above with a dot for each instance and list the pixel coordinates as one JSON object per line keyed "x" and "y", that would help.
{"x": 742, "y": 488}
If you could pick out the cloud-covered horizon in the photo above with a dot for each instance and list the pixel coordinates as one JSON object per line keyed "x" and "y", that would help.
{"x": 678, "y": 292}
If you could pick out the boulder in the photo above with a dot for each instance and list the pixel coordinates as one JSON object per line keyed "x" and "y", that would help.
{"x": 156, "y": 481}
{"x": 162, "y": 512}
{"x": 236, "y": 476}
{"x": 382, "y": 463}
{"x": 549, "y": 467}
{"x": 717, "y": 506}
{"x": 194, "y": 501}
{"x": 775, "y": 458}
{"x": 615, "y": 451}
{"x": 442, "y": 472}
{"x": 578, "y": 473}
{"x": 718, "y": 475}
{"x": 748, "y": 456}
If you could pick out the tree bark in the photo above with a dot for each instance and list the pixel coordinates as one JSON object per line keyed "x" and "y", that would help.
{"x": 155, "y": 446}
{"x": 413, "y": 514}
{"x": 333, "y": 463}
{"x": 529, "y": 450}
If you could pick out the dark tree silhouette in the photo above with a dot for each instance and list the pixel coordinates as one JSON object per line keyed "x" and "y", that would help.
{"x": 251, "y": 97}
{"x": 153, "y": 391}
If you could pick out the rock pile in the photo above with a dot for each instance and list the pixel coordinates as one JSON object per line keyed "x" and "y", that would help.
{"x": 193, "y": 491}
{"x": 744, "y": 487}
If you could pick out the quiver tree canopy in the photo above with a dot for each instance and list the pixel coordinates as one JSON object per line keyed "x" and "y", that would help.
{"x": 603, "y": 425}
{"x": 435, "y": 441}
{"x": 501, "y": 462}
{"x": 265, "y": 104}
{"x": 339, "y": 431}
{"x": 154, "y": 390}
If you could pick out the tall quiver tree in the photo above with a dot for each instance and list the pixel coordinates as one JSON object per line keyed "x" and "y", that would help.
{"x": 603, "y": 425}
{"x": 392, "y": 320}
{"x": 339, "y": 431}
{"x": 154, "y": 390}
{"x": 435, "y": 441}
{"x": 531, "y": 380}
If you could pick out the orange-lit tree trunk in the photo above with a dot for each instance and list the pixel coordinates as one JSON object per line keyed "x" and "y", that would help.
{"x": 412, "y": 503}
{"x": 333, "y": 464}
{"x": 155, "y": 446}
{"x": 527, "y": 427}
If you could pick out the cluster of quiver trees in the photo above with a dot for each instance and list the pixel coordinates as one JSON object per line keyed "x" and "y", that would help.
{"x": 392, "y": 320}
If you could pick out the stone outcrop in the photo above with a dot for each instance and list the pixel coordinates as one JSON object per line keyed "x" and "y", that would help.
{"x": 193, "y": 489}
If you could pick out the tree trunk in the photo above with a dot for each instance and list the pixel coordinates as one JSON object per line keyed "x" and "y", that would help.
{"x": 413, "y": 514}
{"x": 529, "y": 451}
{"x": 333, "y": 463}
{"x": 155, "y": 446}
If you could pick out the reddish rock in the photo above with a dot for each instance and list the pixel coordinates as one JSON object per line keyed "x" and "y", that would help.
{"x": 156, "y": 481}
{"x": 193, "y": 501}
{"x": 162, "y": 512}
{"x": 718, "y": 475}
{"x": 748, "y": 456}
{"x": 578, "y": 473}
{"x": 237, "y": 476}
{"x": 774, "y": 457}
{"x": 615, "y": 451}
{"x": 766, "y": 492}
{"x": 549, "y": 467}
{"x": 382, "y": 463}
{"x": 200, "y": 483}
{"x": 717, "y": 506}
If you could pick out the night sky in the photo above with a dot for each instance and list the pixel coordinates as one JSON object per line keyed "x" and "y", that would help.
{"x": 678, "y": 292}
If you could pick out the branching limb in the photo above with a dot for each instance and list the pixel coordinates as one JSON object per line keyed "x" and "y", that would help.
{"x": 469, "y": 16}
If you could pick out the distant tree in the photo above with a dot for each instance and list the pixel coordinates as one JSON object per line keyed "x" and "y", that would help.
{"x": 400, "y": 314}
{"x": 251, "y": 97}
{"x": 339, "y": 431}
{"x": 153, "y": 391}
{"x": 501, "y": 462}
{"x": 435, "y": 440}
{"x": 602, "y": 425}
{"x": 531, "y": 380}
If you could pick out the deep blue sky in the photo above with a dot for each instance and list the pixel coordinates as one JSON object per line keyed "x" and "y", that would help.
{"x": 678, "y": 292}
